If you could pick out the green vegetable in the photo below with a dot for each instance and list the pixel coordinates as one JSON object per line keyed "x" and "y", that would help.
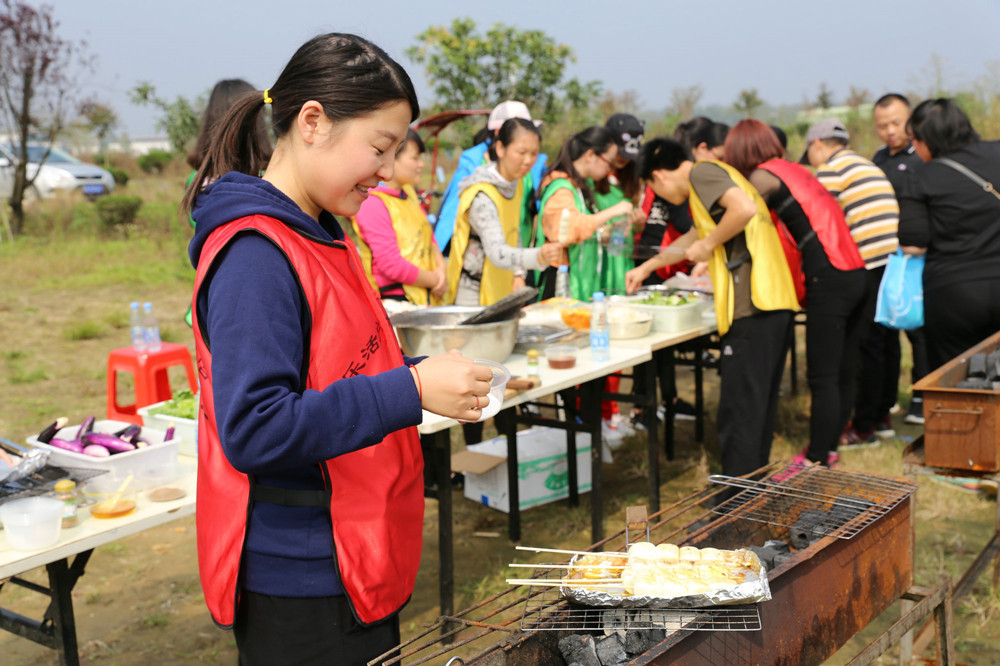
{"x": 672, "y": 299}
{"x": 184, "y": 405}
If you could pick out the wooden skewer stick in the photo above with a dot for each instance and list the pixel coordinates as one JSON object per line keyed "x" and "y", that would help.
{"x": 571, "y": 552}
{"x": 559, "y": 582}
{"x": 563, "y": 566}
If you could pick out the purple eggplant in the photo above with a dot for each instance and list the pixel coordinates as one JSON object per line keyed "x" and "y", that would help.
{"x": 87, "y": 426}
{"x": 169, "y": 434}
{"x": 96, "y": 450}
{"x": 51, "y": 430}
{"x": 74, "y": 445}
{"x": 108, "y": 441}
{"x": 129, "y": 433}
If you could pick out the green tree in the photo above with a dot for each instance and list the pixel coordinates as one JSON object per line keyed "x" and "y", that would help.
{"x": 684, "y": 100}
{"x": 100, "y": 119}
{"x": 472, "y": 70}
{"x": 181, "y": 119}
{"x": 748, "y": 102}
{"x": 39, "y": 75}
{"x": 824, "y": 99}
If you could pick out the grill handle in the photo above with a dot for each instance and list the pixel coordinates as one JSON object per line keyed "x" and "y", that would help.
{"x": 972, "y": 412}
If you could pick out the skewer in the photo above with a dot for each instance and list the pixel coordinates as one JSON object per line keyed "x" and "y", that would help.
{"x": 556, "y": 566}
{"x": 571, "y": 552}
{"x": 559, "y": 582}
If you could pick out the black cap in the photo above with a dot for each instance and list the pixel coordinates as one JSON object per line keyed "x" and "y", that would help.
{"x": 628, "y": 132}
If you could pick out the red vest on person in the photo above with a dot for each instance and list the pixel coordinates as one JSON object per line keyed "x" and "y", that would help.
{"x": 825, "y": 216}
{"x": 376, "y": 493}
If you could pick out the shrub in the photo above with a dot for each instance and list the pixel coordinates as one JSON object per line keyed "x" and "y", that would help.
{"x": 118, "y": 212}
{"x": 155, "y": 160}
{"x": 120, "y": 175}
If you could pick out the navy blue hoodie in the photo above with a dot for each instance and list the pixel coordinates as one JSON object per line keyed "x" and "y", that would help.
{"x": 254, "y": 316}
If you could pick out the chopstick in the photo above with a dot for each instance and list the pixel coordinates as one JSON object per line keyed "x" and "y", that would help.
{"x": 608, "y": 582}
{"x": 571, "y": 552}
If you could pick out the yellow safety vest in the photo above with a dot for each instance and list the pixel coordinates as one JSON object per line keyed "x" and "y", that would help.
{"x": 353, "y": 233}
{"x": 496, "y": 282}
{"x": 771, "y": 286}
{"x": 414, "y": 237}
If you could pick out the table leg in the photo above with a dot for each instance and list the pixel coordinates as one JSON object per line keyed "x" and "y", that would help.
{"x": 665, "y": 368}
{"x": 699, "y": 389}
{"x": 57, "y": 630}
{"x": 648, "y": 372}
{"x": 506, "y": 425}
{"x": 437, "y": 459}
{"x": 573, "y": 474}
{"x": 590, "y": 403}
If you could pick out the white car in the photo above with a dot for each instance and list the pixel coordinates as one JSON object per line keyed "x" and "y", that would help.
{"x": 61, "y": 172}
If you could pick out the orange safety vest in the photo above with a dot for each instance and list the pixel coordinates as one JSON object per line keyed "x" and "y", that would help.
{"x": 376, "y": 493}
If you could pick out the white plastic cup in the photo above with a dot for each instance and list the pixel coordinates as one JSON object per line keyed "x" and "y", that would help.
{"x": 498, "y": 385}
{"x": 32, "y": 523}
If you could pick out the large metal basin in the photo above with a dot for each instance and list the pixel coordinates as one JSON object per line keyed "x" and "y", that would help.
{"x": 436, "y": 330}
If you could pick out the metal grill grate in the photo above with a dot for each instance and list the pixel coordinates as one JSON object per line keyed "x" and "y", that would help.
{"x": 548, "y": 611}
{"x": 43, "y": 480}
{"x": 826, "y": 501}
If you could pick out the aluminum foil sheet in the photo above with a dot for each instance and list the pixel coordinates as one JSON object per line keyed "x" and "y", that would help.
{"x": 753, "y": 589}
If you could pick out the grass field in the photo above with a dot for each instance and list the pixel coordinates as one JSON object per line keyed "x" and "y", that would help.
{"x": 66, "y": 285}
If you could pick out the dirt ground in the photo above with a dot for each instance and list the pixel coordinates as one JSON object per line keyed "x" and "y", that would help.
{"x": 140, "y": 601}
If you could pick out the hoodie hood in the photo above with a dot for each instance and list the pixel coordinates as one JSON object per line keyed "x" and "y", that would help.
{"x": 237, "y": 195}
{"x": 488, "y": 173}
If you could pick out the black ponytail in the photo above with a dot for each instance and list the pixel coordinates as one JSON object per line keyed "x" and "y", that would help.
{"x": 597, "y": 138}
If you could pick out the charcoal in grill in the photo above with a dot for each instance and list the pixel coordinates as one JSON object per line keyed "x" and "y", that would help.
{"x": 977, "y": 366}
{"x": 579, "y": 649}
{"x": 979, "y": 383}
{"x": 765, "y": 555}
{"x": 810, "y": 527}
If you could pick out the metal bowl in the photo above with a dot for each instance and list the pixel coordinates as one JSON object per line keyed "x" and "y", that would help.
{"x": 436, "y": 330}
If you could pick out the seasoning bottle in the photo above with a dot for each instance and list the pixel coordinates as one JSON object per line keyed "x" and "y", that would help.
{"x": 66, "y": 491}
{"x": 532, "y": 362}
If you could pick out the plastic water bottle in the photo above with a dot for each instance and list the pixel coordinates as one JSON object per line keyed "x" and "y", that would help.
{"x": 562, "y": 282}
{"x": 616, "y": 245}
{"x": 600, "y": 339}
{"x": 135, "y": 327}
{"x": 150, "y": 329}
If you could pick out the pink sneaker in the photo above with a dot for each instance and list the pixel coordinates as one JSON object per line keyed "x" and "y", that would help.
{"x": 833, "y": 460}
{"x": 798, "y": 463}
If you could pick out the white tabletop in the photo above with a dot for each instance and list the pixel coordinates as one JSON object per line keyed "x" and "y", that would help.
{"x": 553, "y": 380}
{"x": 92, "y": 532}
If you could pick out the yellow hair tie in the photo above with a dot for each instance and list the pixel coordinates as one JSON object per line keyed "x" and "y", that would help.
{"x": 267, "y": 98}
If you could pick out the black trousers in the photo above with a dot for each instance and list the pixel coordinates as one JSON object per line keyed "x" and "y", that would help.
{"x": 878, "y": 367}
{"x": 834, "y": 321}
{"x": 750, "y": 369}
{"x": 306, "y": 632}
{"x": 959, "y": 316}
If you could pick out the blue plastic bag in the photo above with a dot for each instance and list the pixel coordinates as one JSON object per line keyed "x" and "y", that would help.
{"x": 900, "y": 302}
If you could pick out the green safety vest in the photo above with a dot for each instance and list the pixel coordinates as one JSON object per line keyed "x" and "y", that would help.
{"x": 613, "y": 268}
{"x": 585, "y": 257}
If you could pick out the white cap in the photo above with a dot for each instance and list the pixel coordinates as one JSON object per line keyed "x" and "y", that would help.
{"x": 504, "y": 111}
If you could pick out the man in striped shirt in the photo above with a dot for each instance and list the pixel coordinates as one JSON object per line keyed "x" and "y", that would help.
{"x": 872, "y": 213}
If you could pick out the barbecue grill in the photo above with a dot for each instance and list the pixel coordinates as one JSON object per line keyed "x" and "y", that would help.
{"x": 855, "y": 566}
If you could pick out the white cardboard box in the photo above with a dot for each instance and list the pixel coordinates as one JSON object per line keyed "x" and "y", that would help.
{"x": 542, "y": 469}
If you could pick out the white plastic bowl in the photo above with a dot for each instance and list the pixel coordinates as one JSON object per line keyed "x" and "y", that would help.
{"x": 32, "y": 523}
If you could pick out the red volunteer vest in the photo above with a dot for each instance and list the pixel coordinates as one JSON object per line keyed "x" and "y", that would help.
{"x": 825, "y": 215}
{"x": 376, "y": 494}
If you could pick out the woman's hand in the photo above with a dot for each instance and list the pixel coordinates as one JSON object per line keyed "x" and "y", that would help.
{"x": 622, "y": 208}
{"x": 550, "y": 254}
{"x": 635, "y": 277}
{"x": 439, "y": 288}
{"x": 452, "y": 385}
{"x": 699, "y": 269}
{"x": 519, "y": 283}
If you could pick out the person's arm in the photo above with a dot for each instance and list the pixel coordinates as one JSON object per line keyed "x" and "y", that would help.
{"x": 671, "y": 254}
{"x": 256, "y": 331}
{"x": 739, "y": 210}
{"x": 376, "y": 228}
{"x": 581, "y": 225}
{"x": 484, "y": 219}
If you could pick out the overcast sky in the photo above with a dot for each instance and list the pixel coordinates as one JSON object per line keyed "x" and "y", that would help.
{"x": 783, "y": 48}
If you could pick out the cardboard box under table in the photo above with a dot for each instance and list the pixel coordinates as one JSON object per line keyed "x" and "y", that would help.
{"x": 962, "y": 426}
{"x": 542, "y": 470}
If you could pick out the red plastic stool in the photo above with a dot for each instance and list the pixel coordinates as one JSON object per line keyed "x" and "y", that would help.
{"x": 149, "y": 370}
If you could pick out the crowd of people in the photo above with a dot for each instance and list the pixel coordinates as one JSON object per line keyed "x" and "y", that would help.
{"x": 310, "y": 490}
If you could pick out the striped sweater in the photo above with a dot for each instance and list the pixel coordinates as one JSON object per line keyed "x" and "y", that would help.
{"x": 869, "y": 204}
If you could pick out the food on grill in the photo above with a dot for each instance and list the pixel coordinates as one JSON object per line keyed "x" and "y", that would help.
{"x": 664, "y": 571}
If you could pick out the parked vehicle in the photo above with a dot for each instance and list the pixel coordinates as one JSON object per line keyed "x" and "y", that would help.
{"x": 61, "y": 172}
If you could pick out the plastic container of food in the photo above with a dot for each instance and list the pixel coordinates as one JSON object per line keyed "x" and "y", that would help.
{"x": 561, "y": 357}
{"x": 32, "y": 523}
{"x": 498, "y": 385}
{"x": 625, "y": 322}
{"x": 102, "y": 493}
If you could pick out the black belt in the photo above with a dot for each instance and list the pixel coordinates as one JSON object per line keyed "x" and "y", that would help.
{"x": 290, "y": 496}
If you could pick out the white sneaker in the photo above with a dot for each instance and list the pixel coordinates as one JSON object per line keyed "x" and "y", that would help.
{"x": 611, "y": 434}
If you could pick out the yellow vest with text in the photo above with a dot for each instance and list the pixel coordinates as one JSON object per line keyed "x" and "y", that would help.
{"x": 771, "y": 286}
{"x": 414, "y": 237}
{"x": 496, "y": 282}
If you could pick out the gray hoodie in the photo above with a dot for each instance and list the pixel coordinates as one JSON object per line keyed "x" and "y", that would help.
{"x": 486, "y": 240}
